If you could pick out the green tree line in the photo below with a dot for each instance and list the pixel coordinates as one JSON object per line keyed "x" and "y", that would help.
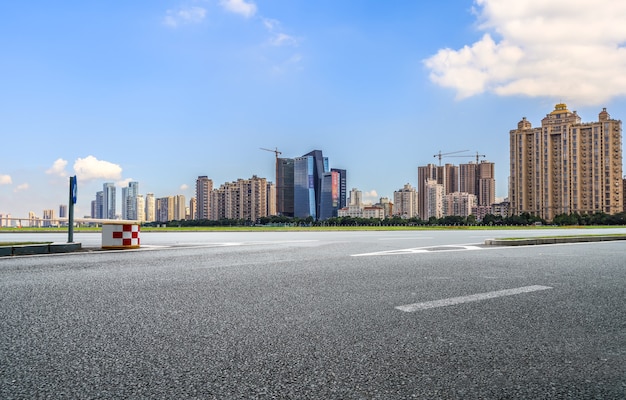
{"x": 598, "y": 218}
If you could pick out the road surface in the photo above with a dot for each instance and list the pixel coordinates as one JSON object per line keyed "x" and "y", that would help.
{"x": 328, "y": 315}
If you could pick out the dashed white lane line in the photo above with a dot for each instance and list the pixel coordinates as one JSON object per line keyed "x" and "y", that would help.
{"x": 417, "y": 250}
{"x": 466, "y": 299}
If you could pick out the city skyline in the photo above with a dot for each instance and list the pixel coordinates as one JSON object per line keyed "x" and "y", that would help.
{"x": 161, "y": 93}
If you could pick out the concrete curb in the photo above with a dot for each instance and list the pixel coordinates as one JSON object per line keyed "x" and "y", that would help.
{"x": 554, "y": 240}
{"x": 31, "y": 249}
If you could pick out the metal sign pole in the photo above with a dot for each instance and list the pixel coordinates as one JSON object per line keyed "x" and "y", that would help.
{"x": 72, "y": 201}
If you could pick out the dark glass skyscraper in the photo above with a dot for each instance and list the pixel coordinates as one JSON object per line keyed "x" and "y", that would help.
{"x": 306, "y": 187}
{"x": 343, "y": 187}
{"x": 285, "y": 187}
{"x": 329, "y": 204}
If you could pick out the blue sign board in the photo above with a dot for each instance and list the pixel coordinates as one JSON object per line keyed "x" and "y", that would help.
{"x": 74, "y": 188}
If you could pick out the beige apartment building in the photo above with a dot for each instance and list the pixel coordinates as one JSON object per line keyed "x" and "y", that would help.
{"x": 244, "y": 199}
{"x": 405, "y": 202}
{"x": 566, "y": 165}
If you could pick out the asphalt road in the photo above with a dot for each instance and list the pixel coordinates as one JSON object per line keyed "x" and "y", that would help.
{"x": 326, "y": 315}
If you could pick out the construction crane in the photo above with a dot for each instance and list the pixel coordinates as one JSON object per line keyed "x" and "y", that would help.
{"x": 477, "y": 156}
{"x": 440, "y": 154}
{"x": 277, "y": 153}
{"x": 278, "y": 188}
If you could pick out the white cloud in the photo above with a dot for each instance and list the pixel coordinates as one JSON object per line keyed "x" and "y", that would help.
{"x": 278, "y": 37}
{"x": 5, "y": 180}
{"x": 22, "y": 187}
{"x": 282, "y": 39}
{"x": 124, "y": 182}
{"x": 58, "y": 168}
{"x": 184, "y": 186}
{"x": 370, "y": 197}
{"x": 571, "y": 50}
{"x": 240, "y": 7}
{"x": 90, "y": 168}
{"x": 183, "y": 16}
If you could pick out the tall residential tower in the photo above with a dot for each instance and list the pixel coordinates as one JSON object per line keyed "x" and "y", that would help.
{"x": 566, "y": 165}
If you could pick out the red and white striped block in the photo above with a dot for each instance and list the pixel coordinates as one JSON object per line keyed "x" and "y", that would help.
{"x": 120, "y": 236}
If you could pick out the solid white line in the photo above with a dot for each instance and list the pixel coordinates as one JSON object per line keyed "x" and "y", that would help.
{"x": 474, "y": 297}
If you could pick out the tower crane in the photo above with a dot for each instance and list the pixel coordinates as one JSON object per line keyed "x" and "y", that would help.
{"x": 477, "y": 156}
{"x": 279, "y": 189}
{"x": 440, "y": 154}
{"x": 277, "y": 153}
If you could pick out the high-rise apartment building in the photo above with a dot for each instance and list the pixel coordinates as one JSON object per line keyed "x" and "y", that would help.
{"x": 624, "y": 190}
{"x": 479, "y": 180}
{"x": 150, "y": 210}
{"x": 405, "y": 202}
{"x": 356, "y": 197}
{"x": 180, "y": 207}
{"x": 204, "y": 187}
{"x": 486, "y": 183}
{"x": 62, "y": 211}
{"x": 425, "y": 174}
{"x": 97, "y": 206}
{"x": 434, "y": 199}
{"x": 141, "y": 208}
{"x": 109, "y": 201}
{"x": 244, "y": 199}
{"x": 129, "y": 201}
{"x": 49, "y": 219}
{"x": 165, "y": 209}
{"x": 271, "y": 199}
{"x": 566, "y": 166}
{"x": 459, "y": 204}
{"x": 193, "y": 208}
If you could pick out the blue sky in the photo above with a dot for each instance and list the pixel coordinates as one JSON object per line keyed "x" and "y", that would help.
{"x": 163, "y": 91}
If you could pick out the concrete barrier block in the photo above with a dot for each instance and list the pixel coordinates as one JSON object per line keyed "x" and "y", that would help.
{"x": 64, "y": 247}
{"x": 31, "y": 249}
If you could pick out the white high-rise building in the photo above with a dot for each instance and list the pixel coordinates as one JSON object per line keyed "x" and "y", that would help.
{"x": 356, "y": 198}
{"x": 141, "y": 208}
{"x": 434, "y": 199}
{"x": 405, "y": 202}
{"x": 150, "y": 208}
{"x": 109, "y": 209}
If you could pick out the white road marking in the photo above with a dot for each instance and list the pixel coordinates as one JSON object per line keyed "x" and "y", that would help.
{"x": 474, "y": 297}
{"x": 431, "y": 249}
{"x": 407, "y": 238}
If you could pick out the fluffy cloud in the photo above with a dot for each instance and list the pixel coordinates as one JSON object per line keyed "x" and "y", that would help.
{"x": 22, "y": 187}
{"x": 572, "y": 50}
{"x": 240, "y": 7}
{"x": 278, "y": 38}
{"x": 182, "y": 16}
{"x": 58, "y": 168}
{"x": 370, "y": 197}
{"x": 184, "y": 186}
{"x": 90, "y": 168}
{"x": 124, "y": 183}
{"x": 5, "y": 180}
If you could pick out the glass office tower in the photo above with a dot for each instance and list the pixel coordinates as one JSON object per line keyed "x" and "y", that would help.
{"x": 329, "y": 205}
{"x": 304, "y": 187}
{"x": 285, "y": 187}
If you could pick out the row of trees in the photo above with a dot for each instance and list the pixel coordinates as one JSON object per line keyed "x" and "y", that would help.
{"x": 598, "y": 218}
